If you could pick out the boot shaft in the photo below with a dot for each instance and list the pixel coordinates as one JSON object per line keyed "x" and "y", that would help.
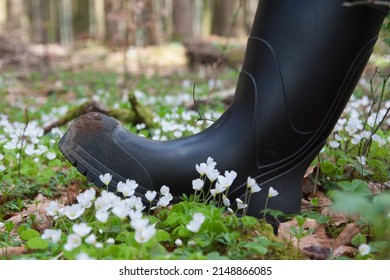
{"x": 305, "y": 59}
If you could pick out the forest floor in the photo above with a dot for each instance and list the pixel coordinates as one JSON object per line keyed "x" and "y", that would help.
{"x": 345, "y": 205}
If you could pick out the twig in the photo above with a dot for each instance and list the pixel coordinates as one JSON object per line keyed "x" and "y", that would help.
{"x": 316, "y": 179}
{"x": 201, "y": 118}
{"x": 375, "y": 129}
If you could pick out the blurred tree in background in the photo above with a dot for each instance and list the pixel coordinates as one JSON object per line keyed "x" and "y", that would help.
{"x": 148, "y": 22}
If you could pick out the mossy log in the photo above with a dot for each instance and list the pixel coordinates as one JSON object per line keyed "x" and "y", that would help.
{"x": 138, "y": 113}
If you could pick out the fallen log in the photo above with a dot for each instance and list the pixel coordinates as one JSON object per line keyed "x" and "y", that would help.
{"x": 138, "y": 113}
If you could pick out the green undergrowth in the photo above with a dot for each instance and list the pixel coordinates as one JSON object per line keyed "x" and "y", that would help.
{"x": 355, "y": 158}
{"x": 220, "y": 237}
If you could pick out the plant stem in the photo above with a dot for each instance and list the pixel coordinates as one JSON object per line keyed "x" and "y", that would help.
{"x": 265, "y": 206}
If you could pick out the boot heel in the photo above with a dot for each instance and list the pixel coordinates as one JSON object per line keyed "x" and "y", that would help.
{"x": 289, "y": 186}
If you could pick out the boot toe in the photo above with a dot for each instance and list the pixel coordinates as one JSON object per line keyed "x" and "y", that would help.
{"x": 93, "y": 158}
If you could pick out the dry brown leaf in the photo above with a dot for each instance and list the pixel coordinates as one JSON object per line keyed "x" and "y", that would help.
{"x": 308, "y": 186}
{"x": 346, "y": 235}
{"x": 309, "y": 171}
{"x": 344, "y": 251}
{"x": 39, "y": 204}
{"x": 339, "y": 218}
{"x": 323, "y": 200}
{"x": 37, "y": 209}
{"x": 377, "y": 188}
{"x": 284, "y": 232}
{"x": 323, "y": 237}
{"x": 307, "y": 241}
{"x": 317, "y": 252}
{"x": 12, "y": 251}
{"x": 306, "y": 205}
{"x": 69, "y": 196}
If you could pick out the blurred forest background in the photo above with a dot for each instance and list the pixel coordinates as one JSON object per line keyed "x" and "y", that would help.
{"x": 149, "y": 22}
{"x": 32, "y": 30}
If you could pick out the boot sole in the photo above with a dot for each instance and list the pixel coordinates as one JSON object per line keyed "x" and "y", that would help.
{"x": 92, "y": 168}
{"x": 288, "y": 182}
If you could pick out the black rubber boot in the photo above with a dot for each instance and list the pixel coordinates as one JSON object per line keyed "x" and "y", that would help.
{"x": 303, "y": 61}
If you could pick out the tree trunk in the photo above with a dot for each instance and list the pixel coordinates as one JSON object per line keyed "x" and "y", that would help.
{"x": 249, "y": 14}
{"x": 115, "y": 23}
{"x": 54, "y": 27}
{"x": 223, "y": 13}
{"x": 96, "y": 18}
{"x": 151, "y": 27}
{"x": 165, "y": 24}
{"x": 45, "y": 10}
{"x": 14, "y": 14}
{"x": 3, "y": 13}
{"x": 80, "y": 18}
{"x": 66, "y": 28}
{"x": 207, "y": 16}
{"x": 197, "y": 18}
{"x": 182, "y": 19}
{"x": 36, "y": 21}
{"x": 126, "y": 74}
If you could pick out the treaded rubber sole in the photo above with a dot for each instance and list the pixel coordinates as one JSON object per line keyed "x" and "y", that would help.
{"x": 287, "y": 183}
{"x": 91, "y": 168}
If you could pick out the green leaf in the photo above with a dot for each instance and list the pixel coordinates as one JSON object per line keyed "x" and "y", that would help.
{"x": 350, "y": 204}
{"x": 174, "y": 219}
{"x": 257, "y": 248}
{"x": 381, "y": 169}
{"x": 330, "y": 169}
{"x": 183, "y": 232}
{"x": 215, "y": 256}
{"x": 179, "y": 208}
{"x": 162, "y": 235}
{"x": 9, "y": 226}
{"x": 125, "y": 236}
{"x": 37, "y": 243}
{"x": 22, "y": 228}
{"x": 356, "y": 187}
{"x": 314, "y": 201}
{"x": 216, "y": 227}
{"x": 272, "y": 212}
{"x": 358, "y": 239}
{"x": 113, "y": 250}
{"x": 157, "y": 251}
{"x": 321, "y": 219}
{"x": 300, "y": 220}
{"x": 249, "y": 221}
{"x": 153, "y": 219}
{"x": 126, "y": 252}
{"x": 29, "y": 234}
